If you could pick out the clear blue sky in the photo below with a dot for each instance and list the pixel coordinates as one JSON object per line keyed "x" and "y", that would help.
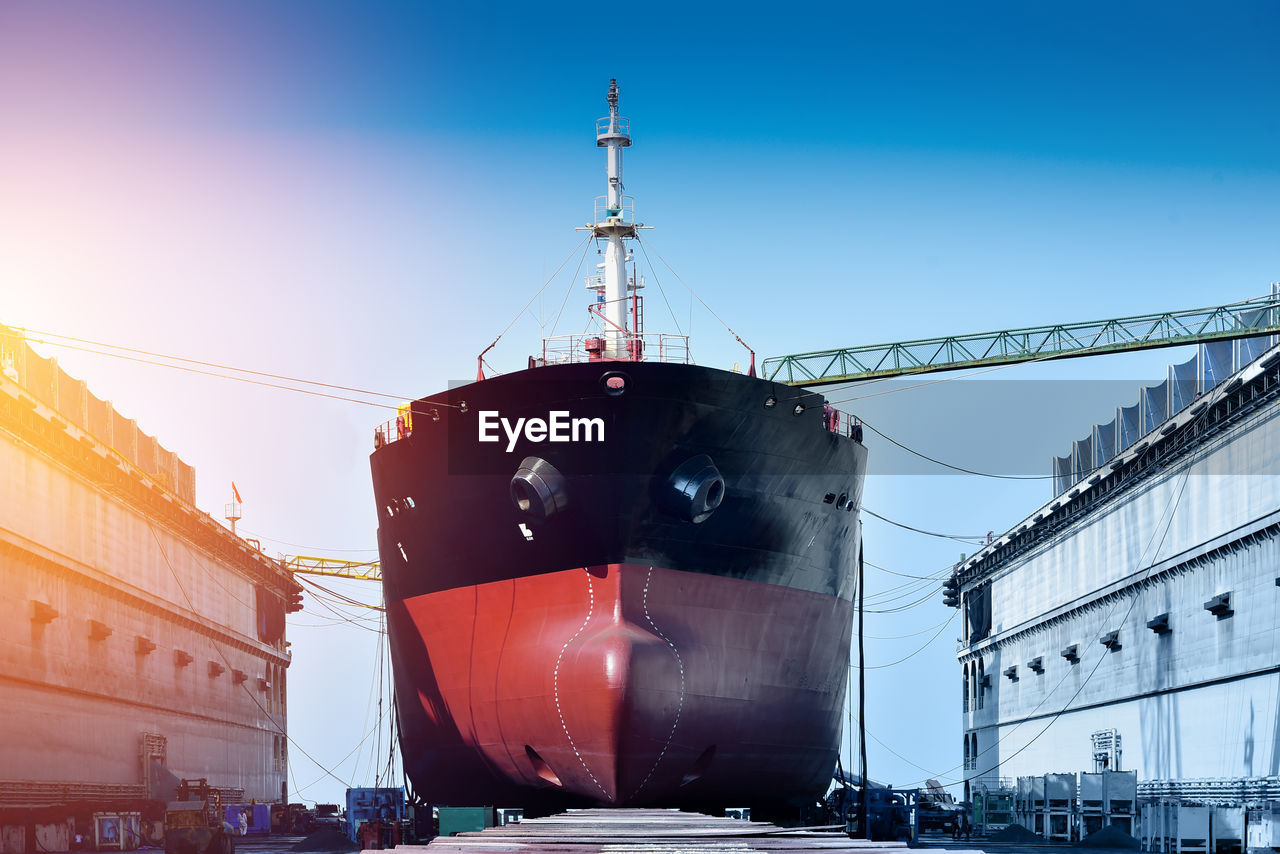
{"x": 366, "y": 193}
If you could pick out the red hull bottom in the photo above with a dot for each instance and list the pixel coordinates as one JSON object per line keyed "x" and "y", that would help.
{"x": 621, "y": 684}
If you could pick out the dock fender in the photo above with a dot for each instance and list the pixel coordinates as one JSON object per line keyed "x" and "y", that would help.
{"x": 694, "y": 490}
{"x": 538, "y": 489}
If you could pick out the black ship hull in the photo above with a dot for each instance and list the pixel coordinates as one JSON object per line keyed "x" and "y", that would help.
{"x": 655, "y": 609}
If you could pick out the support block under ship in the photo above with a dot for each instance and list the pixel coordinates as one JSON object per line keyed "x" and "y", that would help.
{"x": 617, "y": 577}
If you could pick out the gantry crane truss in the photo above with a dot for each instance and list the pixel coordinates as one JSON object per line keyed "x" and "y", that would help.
{"x": 1243, "y": 319}
{"x": 369, "y": 570}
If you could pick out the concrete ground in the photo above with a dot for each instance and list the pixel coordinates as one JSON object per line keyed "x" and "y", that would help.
{"x": 267, "y": 844}
{"x": 284, "y": 845}
{"x": 980, "y": 844}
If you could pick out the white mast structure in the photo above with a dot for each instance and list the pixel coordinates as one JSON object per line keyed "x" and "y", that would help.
{"x": 615, "y": 225}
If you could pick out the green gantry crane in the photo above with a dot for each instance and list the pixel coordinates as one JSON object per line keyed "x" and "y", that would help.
{"x": 1245, "y": 319}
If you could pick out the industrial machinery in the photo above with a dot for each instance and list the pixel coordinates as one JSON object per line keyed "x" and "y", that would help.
{"x": 892, "y": 814}
{"x": 292, "y": 818}
{"x": 375, "y": 816}
{"x": 937, "y": 810}
{"x": 193, "y": 823}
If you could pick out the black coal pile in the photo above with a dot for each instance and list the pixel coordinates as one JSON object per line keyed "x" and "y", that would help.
{"x": 1110, "y": 837}
{"x": 1016, "y": 834}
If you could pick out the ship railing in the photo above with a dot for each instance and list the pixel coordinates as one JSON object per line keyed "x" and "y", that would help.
{"x": 400, "y": 427}
{"x": 623, "y": 127}
{"x": 636, "y": 347}
{"x": 841, "y": 423}
{"x": 624, "y": 213}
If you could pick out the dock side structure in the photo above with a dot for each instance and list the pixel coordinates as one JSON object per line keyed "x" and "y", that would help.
{"x": 1130, "y": 623}
{"x": 141, "y": 642}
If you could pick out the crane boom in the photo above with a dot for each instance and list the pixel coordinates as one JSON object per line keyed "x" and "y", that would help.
{"x": 1244, "y": 319}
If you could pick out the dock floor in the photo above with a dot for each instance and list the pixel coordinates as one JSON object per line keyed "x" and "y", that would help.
{"x": 651, "y": 831}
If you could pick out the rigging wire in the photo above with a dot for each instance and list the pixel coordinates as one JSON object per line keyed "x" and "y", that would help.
{"x": 392, "y": 739}
{"x": 300, "y": 789}
{"x": 572, "y": 281}
{"x": 1078, "y": 473}
{"x": 934, "y": 577}
{"x": 932, "y": 774}
{"x": 368, "y": 711}
{"x": 899, "y": 609}
{"x": 231, "y": 377}
{"x": 323, "y": 622}
{"x": 363, "y": 621}
{"x": 654, "y": 272}
{"x": 349, "y": 600}
{"x": 337, "y": 619}
{"x": 376, "y": 756}
{"x": 895, "y": 594}
{"x": 736, "y": 336}
{"x": 264, "y": 537}
{"x": 549, "y": 280}
{"x": 338, "y": 600}
{"x": 912, "y": 635}
{"x": 296, "y": 791}
{"x": 336, "y": 606}
{"x": 205, "y": 364}
{"x": 921, "y": 649}
{"x": 979, "y": 539}
{"x": 954, "y": 467}
{"x": 904, "y": 591}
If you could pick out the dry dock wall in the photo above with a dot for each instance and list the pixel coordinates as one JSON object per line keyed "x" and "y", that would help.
{"x": 140, "y": 642}
{"x": 1179, "y": 559}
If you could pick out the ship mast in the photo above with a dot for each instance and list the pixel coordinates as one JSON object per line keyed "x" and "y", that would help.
{"x": 614, "y": 221}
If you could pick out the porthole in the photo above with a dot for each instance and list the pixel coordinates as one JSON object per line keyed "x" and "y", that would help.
{"x": 798, "y": 410}
{"x": 770, "y": 402}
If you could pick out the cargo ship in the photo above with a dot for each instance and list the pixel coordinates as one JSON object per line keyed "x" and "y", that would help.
{"x": 616, "y": 577}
